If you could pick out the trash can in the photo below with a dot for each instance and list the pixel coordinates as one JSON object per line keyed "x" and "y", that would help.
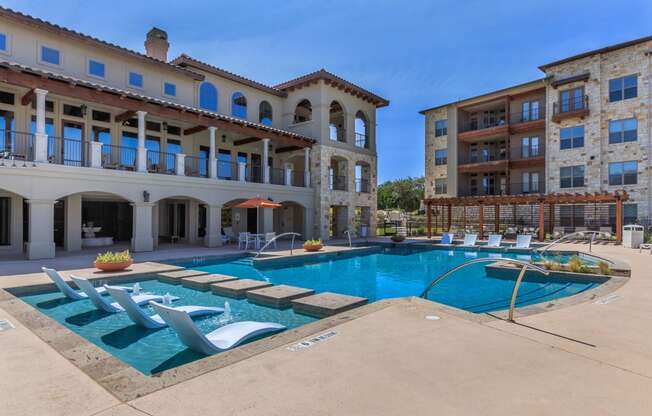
{"x": 632, "y": 236}
{"x": 364, "y": 231}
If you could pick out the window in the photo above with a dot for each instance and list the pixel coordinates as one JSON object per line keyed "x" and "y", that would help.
{"x": 441, "y": 157}
{"x": 169, "y": 89}
{"x": 208, "y": 96}
{"x": 630, "y": 214}
{"x": 303, "y": 112}
{"x": 74, "y": 111}
{"x": 530, "y": 147}
{"x": 623, "y": 173}
{"x": 441, "y": 186}
{"x": 571, "y": 176}
{"x": 173, "y": 146}
{"x": 238, "y": 105}
{"x": 130, "y": 140}
{"x": 441, "y": 128}
{"x": 530, "y": 182}
{"x": 621, "y": 131}
{"x": 49, "y": 106}
{"x": 623, "y": 88}
{"x": 530, "y": 111}
{"x": 571, "y": 215}
{"x": 96, "y": 68}
{"x": 265, "y": 113}
{"x": 174, "y": 130}
{"x": 571, "y": 100}
{"x": 224, "y": 167}
{"x": 571, "y": 137}
{"x": 3, "y": 43}
{"x": 135, "y": 80}
{"x": 50, "y": 56}
{"x": 361, "y": 139}
{"x": 7, "y": 98}
{"x": 101, "y": 116}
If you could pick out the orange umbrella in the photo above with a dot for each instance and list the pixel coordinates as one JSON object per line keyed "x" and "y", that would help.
{"x": 258, "y": 203}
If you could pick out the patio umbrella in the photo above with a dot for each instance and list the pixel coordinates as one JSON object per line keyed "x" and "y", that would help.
{"x": 258, "y": 203}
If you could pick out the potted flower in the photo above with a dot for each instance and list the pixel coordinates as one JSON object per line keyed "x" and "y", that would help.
{"x": 397, "y": 238}
{"x": 313, "y": 245}
{"x": 113, "y": 261}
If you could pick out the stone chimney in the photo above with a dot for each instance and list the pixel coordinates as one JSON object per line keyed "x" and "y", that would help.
{"x": 157, "y": 45}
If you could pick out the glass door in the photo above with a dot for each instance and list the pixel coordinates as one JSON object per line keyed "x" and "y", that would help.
{"x": 71, "y": 144}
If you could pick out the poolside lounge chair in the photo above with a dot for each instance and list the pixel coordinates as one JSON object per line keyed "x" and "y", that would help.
{"x": 494, "y": 240}
{"x": 103, "y": 304}
{"x": 219, "y": 340}
{"x": 523, "y": 241}
{"x": 69, "y": 291}
{"x": 447, "y": 238}
{"x": 138, "y": 315}
{"x": 469, "y": 240}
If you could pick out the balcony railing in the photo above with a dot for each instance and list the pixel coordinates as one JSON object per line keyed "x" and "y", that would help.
{"x": 196, "y": 166}
{"x": 298, "y": 178}
{"x": 527, "y": 152}
{"x": 227, "y": 170}
{"x": 119, "y": 157}
{"x": 514, "y": 188}
{"x": 69, "y": 152}
{"x": 362, "y": 140}
{"x": 525, "y": 116}
{"x": 337, "y": 134}
{"x": 362, "y": 186}
{"x": 16, "y": 145}
{"x": 482, "y": 156}
{"x": 337, "y": 183}
{"x": 473, "y": 125}
{"x": 161, "y": 162}
{"x": 254, "y": 173}
{"x": 276, "y": 176}
{"x": 570, "y": 105}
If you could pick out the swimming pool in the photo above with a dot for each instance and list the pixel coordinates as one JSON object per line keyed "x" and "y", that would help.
{"x": 405, "y": 271}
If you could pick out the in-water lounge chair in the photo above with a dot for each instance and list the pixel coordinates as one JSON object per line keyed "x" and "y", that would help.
{"x": 69, "y": 291}
{"x": 447, "y": 238}
{"x": 221, "y": 339}
{"x": 494, "y": 240}
{"x": 138, "y": 315}
{"x": 469, "y": 240}
{"x": 105, "y": 305}
{"x": 523, "y": 241}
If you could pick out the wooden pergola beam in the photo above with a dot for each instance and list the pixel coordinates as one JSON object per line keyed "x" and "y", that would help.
{"x": 247, "y": 140}
{"x": 28, "y": 97}
{"x": 124, "y": 116}
{"x": 287, "y": 149}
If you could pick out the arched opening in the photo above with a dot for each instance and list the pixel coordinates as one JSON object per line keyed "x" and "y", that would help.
{"x": 337, "y": 173}
{"x": 303, "y": 111}
{"x": 289, "y": 218}
{"x": 13, "y": 226}
{"x": 361, "y": 130}
{"x": 336, "y": 122}
{"x": 362, "y": 177}
{"x": 208, "y": 96}
{"x": 180, "y": 219}
{"x": 238, "y": 105}
{"x": 265, "y": 115}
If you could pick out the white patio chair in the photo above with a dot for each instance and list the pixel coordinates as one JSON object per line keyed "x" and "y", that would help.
{"x": 446, "y": 238}
{"x": 494, "y": 240}
{"x": 523, "y": 241}
{"x": 65, "y": 288}
{"x": 470, "y": 240}
{"x": 244, "y": 239}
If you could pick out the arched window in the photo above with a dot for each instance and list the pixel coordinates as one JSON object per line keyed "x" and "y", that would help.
{"x": 336, "y": 122}
{"x": 208, "y": 96}
{"x": 265, "y": 113}
{"x": 303, "y": 112}
{"x": 361, "y": 135}
{"x": 238, "y": 105}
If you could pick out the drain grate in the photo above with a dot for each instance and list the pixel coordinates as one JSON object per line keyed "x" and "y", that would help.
{"x": 6, "y": 325}
{"x": 312, "y": 341}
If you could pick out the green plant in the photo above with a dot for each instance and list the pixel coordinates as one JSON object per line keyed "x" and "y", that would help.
{"x": 113, "y": 257}
{"x": 552, "y": 265}
{"x": 604, "y": 268}
{"x": 576, "y": 265}
{"x": 312, "y": 243}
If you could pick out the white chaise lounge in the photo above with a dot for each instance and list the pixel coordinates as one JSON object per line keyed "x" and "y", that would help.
{"x": 447, "y": 238}
{"x": 138, "y": 315}
{"x": 523, "y": 241}
{"x": 494, "y": 240}
{"x": 102, "y": 304}
{"x": 470, "y": 240}
{"x": 219, "y": 340}
{"x": 65, "y": 288}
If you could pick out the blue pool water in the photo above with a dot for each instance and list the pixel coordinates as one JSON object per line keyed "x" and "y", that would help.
{"x": 151, "y": 350}
{"x": 402, "y": 272}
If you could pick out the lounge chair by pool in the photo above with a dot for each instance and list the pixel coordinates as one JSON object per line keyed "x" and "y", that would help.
{"x": 469, "y": 240}
{"x": 219, "y": 340}
{"x": 138, "y": 315}
{"x": 494, "y": 240}
{"x": 103, "y": 304}
{"x": 523, "y": 241}
{"x": 447, "y": 238}
{"x": 65, "y": 288}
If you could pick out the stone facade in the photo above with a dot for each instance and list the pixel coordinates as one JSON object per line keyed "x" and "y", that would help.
{"x": 434, "y": 143}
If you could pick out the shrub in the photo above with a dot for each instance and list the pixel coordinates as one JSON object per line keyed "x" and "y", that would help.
{"x": 575, "y": 264}
{"x": 604, "y": 268}
{"x": 312, "y": 243}
{"x": 552, "y": 265}
{"x": 113, "y": 257}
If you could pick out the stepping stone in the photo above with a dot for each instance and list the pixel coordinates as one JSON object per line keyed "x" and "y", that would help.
{"x": 176, "y": 276}
{"x": 279, "y": 297}
{"x": 326, "y": 304}
{"x": 203, "y": 282}
{"x": 237, "y": 288}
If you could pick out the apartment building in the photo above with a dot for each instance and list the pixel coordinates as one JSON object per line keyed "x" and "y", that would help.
{"x": 584, "y": 127}
{"x": 103, "y": 145}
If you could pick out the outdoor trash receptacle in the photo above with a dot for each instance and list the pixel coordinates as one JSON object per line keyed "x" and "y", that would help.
{"x": 633, "y": 236}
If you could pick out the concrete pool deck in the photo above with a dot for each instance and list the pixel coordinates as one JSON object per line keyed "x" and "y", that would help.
{"x": 591, "y": 358}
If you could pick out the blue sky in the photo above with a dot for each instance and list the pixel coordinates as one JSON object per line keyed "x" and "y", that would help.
{"x": 417, "y": 54}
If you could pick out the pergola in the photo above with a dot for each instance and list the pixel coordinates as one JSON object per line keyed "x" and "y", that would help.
{"x": 542, "y": 200}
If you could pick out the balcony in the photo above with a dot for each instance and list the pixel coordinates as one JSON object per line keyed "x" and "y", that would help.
{"x": 514, "y": 188}
{"x": 362, "y": 186}
{"x": 362, "y": 141}
{"x": 570, "y": 108}
{"x": 473, "y": 129}
{"x": 337, "y": 183}
{"x": 522, "y": 121}
{"x": 482, "y": 161}
{"x": 16, "y": 146}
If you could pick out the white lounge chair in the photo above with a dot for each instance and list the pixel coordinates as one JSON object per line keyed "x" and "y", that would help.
{"x": 103, "y": 304}
{"x": 219, "y": 340}
{"x": 469, "y": 240}
{"x": 69, "y": 291}
{"x": 523, "y": 241}
{"x": 494, "y": 240}
{"x": 447, "y": 238}
{"x": 138, "y": 315}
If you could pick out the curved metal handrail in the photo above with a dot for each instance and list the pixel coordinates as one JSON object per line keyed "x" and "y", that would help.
{"x": 543, "y": 250}
{"x": 512, "y": 304}
{"x": 348, "y": 233}
{"x": 276, "y": 238}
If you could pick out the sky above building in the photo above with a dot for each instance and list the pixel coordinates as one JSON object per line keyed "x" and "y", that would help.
{"x": 418, "y": 54}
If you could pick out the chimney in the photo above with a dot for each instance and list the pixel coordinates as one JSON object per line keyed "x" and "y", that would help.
{"x": 157, "y": 45}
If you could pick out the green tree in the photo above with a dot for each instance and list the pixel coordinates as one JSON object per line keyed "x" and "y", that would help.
{"x": 405, "y": 194}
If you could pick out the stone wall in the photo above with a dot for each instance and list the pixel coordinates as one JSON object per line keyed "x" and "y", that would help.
{"x": 433, "y": 143}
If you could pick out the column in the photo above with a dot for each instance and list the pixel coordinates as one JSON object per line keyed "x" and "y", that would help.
{"x": 212, "y": 166}
{"x": 429, "y": 216}
{"x": 481, "y": 222}
{"x": 180, "y": 168}
{"x": 142, "y": 151}
{"x": 242, "y": 171}
{"x": 192, "y": 228}
{"x": 96, "y": 154}
{"x": 306, "y": 166}
{"x": 40, "y": 137}
{"x": 266, "y": 160}
{"x": 141, "y": 239}
{"x": 41, "y": 229}
{"x": 213, "y": 236}
{"x": 497, "y": 219}
{"x": 288, "y": 174}
{"x": 73, "y": 231}
{"x": 619, "y": 221}
{"x": 542, "y": 221}
{"x": 267, "y": 220}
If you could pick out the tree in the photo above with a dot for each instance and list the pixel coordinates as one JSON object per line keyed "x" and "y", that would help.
{"x": 405, "y": 194}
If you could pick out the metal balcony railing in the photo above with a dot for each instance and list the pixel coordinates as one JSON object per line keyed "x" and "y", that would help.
{"x": 525, "y": 116}
{"x": 514, "y": 188}
{"x": 570, "y": 105}
{"x": 337, "y": 183}
{"x": 119, "y": 157}
{"x": 276, "y": 176}
{"x": 69, "y": 152}
{"x": 362, "y": 140}
{"x": 16, "y": 145}
{"x": 161, "y": 162}
{"x": 362, "y": 186}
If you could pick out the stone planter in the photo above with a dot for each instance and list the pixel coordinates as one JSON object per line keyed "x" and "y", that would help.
{"x": 312, "y": 247}
{"x": 113, "y": 267}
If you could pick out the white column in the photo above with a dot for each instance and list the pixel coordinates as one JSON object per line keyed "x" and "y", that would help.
{"x": 142, "y": 151}
{"x": 306, "y": 166}
{"x": 141, "y": 239}
{"x": 40, "y": 137}
{"x": 180, "y": 168}
{"x": 96, "y": 154}
{"x": 213, "y": 236}
{"x": 41, "y": 229}
{"x": 192, "y": 234}
{"x": 73, "y": 219}
{"x": 242, "y": 171}
{"x": 212, "y": 167}
{"x": 288, "y": 174}
{"x": 266, "y": 160}
{"x": 268, "y": 220}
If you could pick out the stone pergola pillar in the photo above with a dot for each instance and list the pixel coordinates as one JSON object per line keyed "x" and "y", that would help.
{"x": 142, "y": 239}
{"x": 212, "y": 166}
{"x": 40, "y": 137}
{"x": 142, "y": 151}
{"x": 40, "y": 243}
{"x": 213, "y": 236}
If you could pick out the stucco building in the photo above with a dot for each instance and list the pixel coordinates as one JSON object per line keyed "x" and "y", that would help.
{"x": 154, "y": 150}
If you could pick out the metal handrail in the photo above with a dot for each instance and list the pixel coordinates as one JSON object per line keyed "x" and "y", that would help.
{"x": 563, "y": 237}
{"x": 276, "y": 238}
{"x": 512, "y": 304}
{"x": 348, "y": 233}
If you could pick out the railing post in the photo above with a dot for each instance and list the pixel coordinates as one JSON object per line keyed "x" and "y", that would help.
{"x": 242, "y": 171}
{"x": 96, "y": 155}
{"x": 288, "y": 176}
{"x": 180, "y": 164}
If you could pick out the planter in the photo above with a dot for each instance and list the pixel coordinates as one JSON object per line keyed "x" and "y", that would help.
{"x": 312, "y": 247}
{"x": 113, "y": 267}
{"x": 398, "y": 238}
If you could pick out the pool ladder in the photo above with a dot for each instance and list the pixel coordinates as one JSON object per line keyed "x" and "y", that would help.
{"x": 558, "y": 241}
{"x": 276, "y": 238}
{"x": 512, "y": 304}
{"x": 348, "y": 234}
